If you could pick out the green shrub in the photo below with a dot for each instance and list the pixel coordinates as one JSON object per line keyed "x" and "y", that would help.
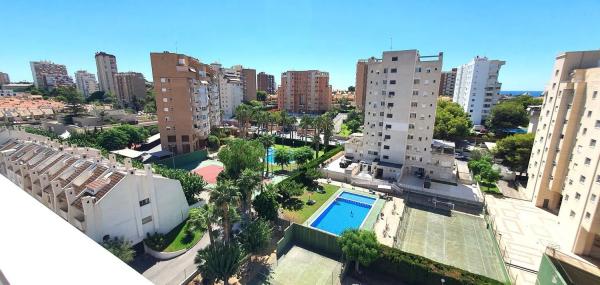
{"x": 415, "y": 269}
{"x": 155, "y": 241}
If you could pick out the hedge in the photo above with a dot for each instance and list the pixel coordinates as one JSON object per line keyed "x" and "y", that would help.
{"x": 415, "y": 269}
{"x": 297, "y": 174}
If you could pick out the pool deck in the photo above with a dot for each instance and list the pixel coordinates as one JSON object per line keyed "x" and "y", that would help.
{"x": 369, "y": 220}
{"x": 386, "y": 228}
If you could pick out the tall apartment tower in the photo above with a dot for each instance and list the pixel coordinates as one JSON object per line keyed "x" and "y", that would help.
{"x": 564, "y": 168}
{"x": 4, "y": 78}
{"x": 48, "y": 75}
{"x": 401, "y": 97}
{"x": 304, "y": 92}
{"x": 360, "y": 91}
{"x": 231, "y": 89}
{"x": 107, "y": 68}
{"x": 266, "y": 82}
{"x": 248, "y": 78}
{"x": 182, "y": 85}
{"x": 477, "y": 89}
{"x": 447, "y": 82}
{"x": 86, "y": 82}
{"x": 131, "y": 88}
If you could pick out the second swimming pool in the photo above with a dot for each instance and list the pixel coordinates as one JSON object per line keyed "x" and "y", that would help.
{"x": 347, "y": 211}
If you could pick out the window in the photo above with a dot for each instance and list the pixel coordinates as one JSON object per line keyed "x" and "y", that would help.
{"x": 587, "y": 215}
{"x": 593, "y": 198}
{"x": 415, "y": 92}
{"x": 592, "y": 142}
{"x": 584, "y": 131}
{"x": 572, "y": 214}
{"x": 146, "y": 220}
{"x": 163, "y": 89}
{"x": 587, "y": 161}
{"x": 597, "y": 124}
{"x": 386, "y": 157}
{"x": 417, "y": 81}
{"x": 171, "y": 139}
{"x": 581, "y": 179}
{"x": 394, "y": 70}
{"x": 185, "y": 138}
{"x": 386, "y": 137}
{"x": 145, "y": 202}
{"x": 577, "y": 196}
{"x": 598, "y": 178}
{"x": 165, "y": 100}
{"x": 394, "y": 58}
{"x": 392, "y": 81}
{"x": 389, "y": 115}
{"x": 163, "y": 80}
{"x": 589, "y": 114}
{"x": 595, "y": 94}
{"x": 414, "y": 104}
{"x": 386, "y": 147}
{"x": 411, "y": 126}
{"x": 566, "y": 197}
{"x": 413, "y": 115}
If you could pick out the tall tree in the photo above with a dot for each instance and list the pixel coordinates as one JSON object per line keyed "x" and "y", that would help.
{"x": 240, "y": 154}
{"x": 327, "y": 128}
{"x": 507, "y": 115}
{"x": 256, "y": 236}
{"x": 266, "y": 204}
{"x": 226, "y": 198}
{"x": 243, "y": 113}
{"x": 302, "y": 155}
{"x": 248, "y": 183}
{"x": 305, "y": 123}
{"x": 451, "y": 121}
{"x": 203, "y": 218}
{"x": 282, "y": 156}
{"x": 267, "y": 141}
{"x": 219, "y": 261}
{"x": 360, "y": 246}
{"x": 515, "y": 151}
{"x": 316, "y": 140}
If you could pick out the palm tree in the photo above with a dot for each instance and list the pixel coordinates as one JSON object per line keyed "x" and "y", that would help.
{"x": 327, "y": 128}
{"x": 247, "y": 183}
{"x": 243, "y": 113}
{"x": 267, "y": 141}
{"x": 219, "y": 261}
{"x": 203, "y": 218}
{"x": 225, "y": 196}
{"x": 305, "y": 122}
{"x": 317, "y": 123}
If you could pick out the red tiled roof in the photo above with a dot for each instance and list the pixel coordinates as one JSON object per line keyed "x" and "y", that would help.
{"x": 68, "y": 163}
{"x": 101, "y": 186}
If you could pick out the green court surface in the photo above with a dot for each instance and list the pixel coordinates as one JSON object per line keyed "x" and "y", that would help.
{"x": 460, "y": 240}
{"x": 300, "y": 266}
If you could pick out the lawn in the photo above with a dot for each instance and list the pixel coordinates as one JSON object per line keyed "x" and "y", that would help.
{"x": 345, "y": 131}
{"x": 490, "y": 188}
{"x": 178, "y": 239}
{"x": 303, "y": 214}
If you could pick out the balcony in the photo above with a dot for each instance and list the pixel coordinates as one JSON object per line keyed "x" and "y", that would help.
{"x": 79, "y": 222}
{"x": 63, "y": 213}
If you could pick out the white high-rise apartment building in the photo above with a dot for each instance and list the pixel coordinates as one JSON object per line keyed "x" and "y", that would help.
{"x": 107, "y": 68}
{"x": 231, "y": 89}
{"x": 564, "y": 168}
{"x": 401, "y": 97}
{"x": 477, "y": 89}
{"x": 86, "y": 82}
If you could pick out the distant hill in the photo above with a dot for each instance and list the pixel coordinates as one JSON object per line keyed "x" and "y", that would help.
{"x": 517, "y": 93}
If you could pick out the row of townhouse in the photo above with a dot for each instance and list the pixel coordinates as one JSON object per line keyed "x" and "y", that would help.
{"x": 100, "y": 197}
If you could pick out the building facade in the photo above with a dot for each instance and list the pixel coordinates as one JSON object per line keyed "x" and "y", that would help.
{"x": 360, "y": 91}
{"x": 131, "y": 88}
{"x": 106, "y": 65}
{"x": 4, "y": 78}
{"x": 231, "y": 90}
{"x": 248, "y": 78}
{"x": 304, "y": 92}
{"x": 447, "y": 82}
{"x": 48, "y": 75}
{"x": 266, "y": 82}
{"x": 86, "y": 82}
{"x": 401, "y": 97}
{"x": 477, "y": 89}
{"x": 564, "y": 168}
{"x": 182, "y": 85}
{"x": 100, "y": 197}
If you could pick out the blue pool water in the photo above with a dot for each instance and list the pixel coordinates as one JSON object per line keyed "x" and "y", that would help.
{"x": 347, "y": 211}
{"x": 271, "y": 156}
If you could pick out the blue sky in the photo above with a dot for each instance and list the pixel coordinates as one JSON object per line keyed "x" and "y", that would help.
{"x": 274, "y": 36}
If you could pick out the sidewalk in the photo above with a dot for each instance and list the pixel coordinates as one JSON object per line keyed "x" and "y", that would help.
{"x": 386, "y": 228}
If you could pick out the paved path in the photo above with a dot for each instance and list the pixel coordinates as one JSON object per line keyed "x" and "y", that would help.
{"x": 386, "y": 228}
{"x": 176, "y": 270}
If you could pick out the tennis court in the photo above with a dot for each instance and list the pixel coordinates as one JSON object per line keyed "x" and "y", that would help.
{"x": 300, "y": 266}
{"x": 209, "y": 170}
{"x": 460, "y": 240}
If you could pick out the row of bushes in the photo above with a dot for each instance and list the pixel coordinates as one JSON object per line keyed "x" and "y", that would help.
{"x": 415, "y": 269}
{"x": 298, "y": 174}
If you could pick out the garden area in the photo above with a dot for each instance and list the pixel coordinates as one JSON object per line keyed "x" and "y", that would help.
{"x": 319, "y": 198}
{"x": 184, "y": 236}
{"x": 485, "y": 174}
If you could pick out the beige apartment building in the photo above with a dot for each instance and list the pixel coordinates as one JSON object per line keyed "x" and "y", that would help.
{"x": 106, "y": 65}
{"x": 447, "y": 82}
{"x": 564, "y": 168}
{"x": 130, "y": 88}
{"x": 86, "y": 82}
{"x": 360, "y": 92}
{"x": 401, "y": 97}
{"x": 4, "y": 78}
{"x": 182, "y": 86}
{"x": 304, "y": 92}
{"x": 266, "y": 82}
{"x": 248, "y": 77}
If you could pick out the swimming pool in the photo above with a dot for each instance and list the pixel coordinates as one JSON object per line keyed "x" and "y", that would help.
{"x": 347, "y": 211}
{"x": 271, "y": 155}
